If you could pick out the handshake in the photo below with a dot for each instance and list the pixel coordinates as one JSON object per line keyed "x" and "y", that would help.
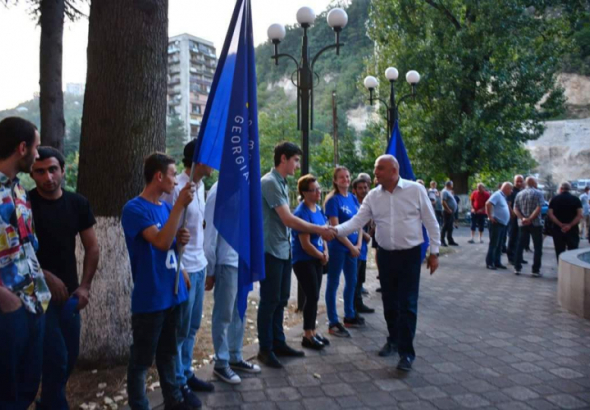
{"x": 327, "y": 232}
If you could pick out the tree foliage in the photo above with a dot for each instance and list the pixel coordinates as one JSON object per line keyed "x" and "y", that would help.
{"x": 486, "y": 68}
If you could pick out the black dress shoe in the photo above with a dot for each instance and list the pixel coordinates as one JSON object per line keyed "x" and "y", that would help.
{"x": 524, "y": 262}
{"x": 378, "y": 290}
{"x": 362, "y": 308}
{"x": 287, "y": 351}
{"x": 388, "y": 349}
{"x": 453, "y": 243}
{"x": 443, "y": 244}
{"x": 404, "y": 364}
{"x": 501, "y": 267}
{"x": 269, "y": 359}
{"x": 323, "y": 339}
{"x": 312, "y": 343}
{"x": 491, "y": 267}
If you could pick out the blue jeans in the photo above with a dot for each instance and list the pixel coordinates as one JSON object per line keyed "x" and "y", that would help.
{"x": 61, "y": 347}
{"x": 274, "y": 296}
{"x": 399, "y": 274}
{"x": 154, "y": 334}
{"x": 340, "y": 260}
{"x": 189, "y": 322}
{"x": 21, "y": 357}
{"x": 497, "y": 239}
{"x": 227, "y": 329}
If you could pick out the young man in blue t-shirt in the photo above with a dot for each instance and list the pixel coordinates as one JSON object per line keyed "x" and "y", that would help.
{"x": 151, "y": 233}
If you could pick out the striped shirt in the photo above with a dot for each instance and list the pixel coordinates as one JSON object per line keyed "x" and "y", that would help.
{"x": 527, "y": 201}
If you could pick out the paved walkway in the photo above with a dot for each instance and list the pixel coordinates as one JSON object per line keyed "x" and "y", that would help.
{"x": 486, "y": 339}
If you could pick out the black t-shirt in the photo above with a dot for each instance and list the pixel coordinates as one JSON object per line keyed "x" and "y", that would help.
{"x": 565, "y": 207}
{"x": 56, "y": 224}
{"x": 512, "y": 197}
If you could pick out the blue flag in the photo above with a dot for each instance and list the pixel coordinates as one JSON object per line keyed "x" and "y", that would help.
{"x": 228, "y": 141}
{"x": 397, "y": 148}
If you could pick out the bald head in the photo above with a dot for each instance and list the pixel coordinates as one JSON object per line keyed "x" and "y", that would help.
{"x": 506, "y": 188}
{"x": 387, "y": 171}
{"x": 388, "y": 158}
{"x": 531, "y": 182}
{"x": 518, "y": 181}
{"x": 565, "y": 187}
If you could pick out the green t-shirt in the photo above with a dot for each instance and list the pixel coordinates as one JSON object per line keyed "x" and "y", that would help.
{"x": 276, "y": 234}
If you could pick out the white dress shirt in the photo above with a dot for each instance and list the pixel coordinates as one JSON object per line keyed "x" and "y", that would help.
{"x": 398, "y": 216}
{"x": 193, "y": 257}
{"x": 217, "y": 250}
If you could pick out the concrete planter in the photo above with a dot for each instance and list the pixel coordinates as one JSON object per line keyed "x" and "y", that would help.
{"x": 573, "y": 291}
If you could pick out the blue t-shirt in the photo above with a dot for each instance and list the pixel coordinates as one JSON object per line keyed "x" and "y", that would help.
{"x": 153, "y": 270}
{"x": 501, "y": 212}
{"x": 343, "y": 207}
{"x": 316, "y": 218}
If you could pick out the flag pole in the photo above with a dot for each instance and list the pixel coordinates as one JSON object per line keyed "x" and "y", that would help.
{"x": 180, "y": 247}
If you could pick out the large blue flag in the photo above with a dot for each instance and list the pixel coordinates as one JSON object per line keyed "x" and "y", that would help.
{"x": 228, "y": 141}
{"x": 397, "y": 148}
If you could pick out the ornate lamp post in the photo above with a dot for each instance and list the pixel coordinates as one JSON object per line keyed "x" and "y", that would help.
{"x": 337, "y": 19}
{"x": 371, "y": 83}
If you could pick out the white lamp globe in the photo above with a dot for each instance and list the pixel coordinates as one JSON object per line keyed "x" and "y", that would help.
{"x": 413, "y": 77}
{"x": 391, "y": 73}
{"x": 305, "y": 15}
{"x": 370, "y": 82}
{"x": 276, "y": 32}
{"x": 337, "y": 18}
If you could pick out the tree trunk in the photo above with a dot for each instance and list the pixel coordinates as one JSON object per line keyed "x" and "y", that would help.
{"x": 50, "y": 73}
{"x": 124, "y": 120}
{"x": 460, "y": 182}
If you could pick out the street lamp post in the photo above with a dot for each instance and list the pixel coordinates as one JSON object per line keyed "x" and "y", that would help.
{"x": 371, "y": 83}
{"x": 337, "y": 19}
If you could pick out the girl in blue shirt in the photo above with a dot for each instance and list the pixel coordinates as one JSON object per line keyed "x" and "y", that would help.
{"x": 309, "y": 255}
{"x": 340, "y": 206}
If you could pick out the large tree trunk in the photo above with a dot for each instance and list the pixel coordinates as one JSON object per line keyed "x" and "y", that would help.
{"x": 124, "y": 120}
{"x": 50, "y": 78}
{"x": 460, "y": 182}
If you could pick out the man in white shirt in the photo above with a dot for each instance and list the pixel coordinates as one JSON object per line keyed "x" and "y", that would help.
{"x": 193, "y": 266}
{"x": 227, "y": 329}
{"x": 399, "y": 208}
{"x": 585, "y": 225}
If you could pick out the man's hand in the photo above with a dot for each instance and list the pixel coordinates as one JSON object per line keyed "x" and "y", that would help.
{"x": 183, "y": 236}
{"x": 327, "y": 233}
{"x": 187, "y": 280}
{"x": 9, "y": 302}
{"x": 526, "y": 221}
{"x": 325, "y": 259}
{"x": 432, "y": 263}
{"x": 493, "y": 220}
{"x": 83, "y": 294}
{"x": 186, "y": 194}
{"x": 59, "y": 291}
{"x": 355, "y": 252}
{"x": 209, "y": 283}
{"x": 565, "y": 228}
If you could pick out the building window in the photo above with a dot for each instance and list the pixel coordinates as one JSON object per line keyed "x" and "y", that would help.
{"x": 171, "y": 111}
{"x": 195, "y": 108}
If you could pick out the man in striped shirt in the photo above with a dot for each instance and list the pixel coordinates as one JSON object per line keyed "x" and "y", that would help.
{"x": 527, "y": 207}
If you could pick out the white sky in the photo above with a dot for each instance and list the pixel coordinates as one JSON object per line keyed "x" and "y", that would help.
{"x": 208, "y": 19}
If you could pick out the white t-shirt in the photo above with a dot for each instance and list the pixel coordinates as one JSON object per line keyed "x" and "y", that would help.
{"x": 585, "y": 205}
{"x": 193, "y": 258}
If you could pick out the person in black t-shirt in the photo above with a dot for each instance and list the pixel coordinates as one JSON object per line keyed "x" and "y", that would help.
{"x": 59, "y": 217}
{"x": 565, "y": 210}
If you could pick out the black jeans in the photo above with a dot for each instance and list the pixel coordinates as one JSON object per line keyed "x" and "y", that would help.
{"x": 400, "y": 282}
{"x": 309, "y": 275}
{"x": 361, "y": 269}
{"x": 525, "y": 234}
{"x": 497, "y": 239}
{"x": 478, "y": 221}
{"x": 569, "y": 240}
{"x": 274, "y": 296}
{"x": 447, "y": 228}
{"x": 154, "y": 334}
{"x": 512, "y": 239}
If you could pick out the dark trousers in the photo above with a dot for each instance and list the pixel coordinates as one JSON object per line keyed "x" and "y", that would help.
{"x": 400, "y": 281}
{"x": 447, "y": 227}
{"x": 154, "y": 335}
{"x": 61, "y": 347}
{"x": 21, "y": 357}
{"x": 512, "y": 239}
{"x": 361, "y": 269}
{"x": 497, "y": 239}
{"x": 439, "y": 217}
{"x": 309, "y": 275}
{"x": 565, "y": 241}
{"x": 274, "y": 296}
{"x": 478, "y": 221}
{"x": 525, "y": 234}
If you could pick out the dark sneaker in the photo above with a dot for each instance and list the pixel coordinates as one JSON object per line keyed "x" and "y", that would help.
{"x": 338, "y": 330}
{"x": 404, "y": 364}
{"x": 354, "y": 322}
{"x": 287, "y": 351}
{"x": 227, "y": 375}
{"x": 245, "y": 366}
{"x": 443, "y": 244}
{"x": 501, "y": 267}
{"x": 536, "y": 274}
{"x": 453, "y": 244}
{"x": 269, "y": 359}
{"x": 378, "y": 290}
{"x": 524, "y": 262}
{"x": 179, "y": 406}
{"x": 517, "y": 272}
{"x": 388, "y": 349}
{"x": 322, "y": 339}
{"x": 312, "y": 343}
{"x": 491, "y": 267}
{"x": 362, "y": 308}
{"x": 197, "y": 384}
{"x": 190, "y": 398}
{"x": 471, "y": 241}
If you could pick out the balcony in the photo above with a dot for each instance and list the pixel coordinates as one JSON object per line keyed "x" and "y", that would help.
{"x": 173, "y": 81}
